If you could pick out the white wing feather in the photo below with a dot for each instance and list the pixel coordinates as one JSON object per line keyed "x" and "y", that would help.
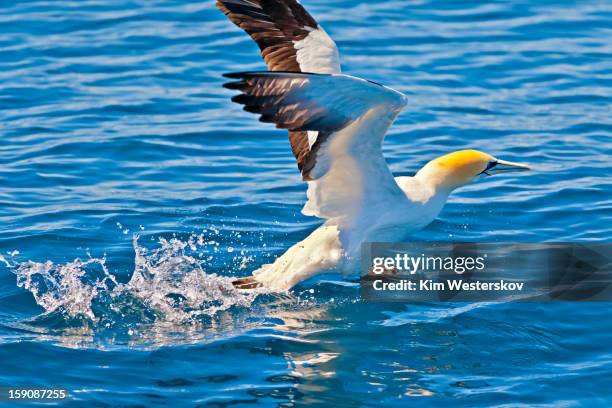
{"x": 355, "y": 174}
{"x": 350, "y": 172}
{"x": 318, "y": 53}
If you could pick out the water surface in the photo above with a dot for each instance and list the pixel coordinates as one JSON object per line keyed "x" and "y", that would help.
{"x": 131, "y": 190}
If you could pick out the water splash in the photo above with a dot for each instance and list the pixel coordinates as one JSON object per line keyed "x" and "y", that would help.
{"x": 168, "y": 285}
{"x": 67, "y": 288}
{"x": 173, "y": 283}
{"x": 171, "y": 297}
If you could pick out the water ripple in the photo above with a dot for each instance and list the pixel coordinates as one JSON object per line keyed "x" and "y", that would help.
{"x": 114, "y": 122}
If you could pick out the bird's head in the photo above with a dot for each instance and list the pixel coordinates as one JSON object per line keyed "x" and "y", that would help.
{"x": 459, "y": 168}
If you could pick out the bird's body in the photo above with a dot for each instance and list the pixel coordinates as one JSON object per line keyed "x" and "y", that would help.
{"x": 335, "y": 246}
{"x": 337, "y": 125}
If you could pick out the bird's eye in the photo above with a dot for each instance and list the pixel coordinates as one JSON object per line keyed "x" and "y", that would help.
{"x": 490, "y": 165}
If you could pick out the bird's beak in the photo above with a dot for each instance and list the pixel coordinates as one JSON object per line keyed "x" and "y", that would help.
{"x": 502, "y": 166}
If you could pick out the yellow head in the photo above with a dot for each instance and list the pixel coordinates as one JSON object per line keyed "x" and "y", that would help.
{"x": 462, "y": 167}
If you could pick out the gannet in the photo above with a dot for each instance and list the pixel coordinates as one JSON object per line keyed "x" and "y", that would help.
{"x": 336, "y": 125}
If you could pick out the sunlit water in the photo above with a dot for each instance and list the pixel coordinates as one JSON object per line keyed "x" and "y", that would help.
{"x": 131, "y": 190}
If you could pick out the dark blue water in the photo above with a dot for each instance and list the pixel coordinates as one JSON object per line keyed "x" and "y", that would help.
{"x": 128, "y": 179}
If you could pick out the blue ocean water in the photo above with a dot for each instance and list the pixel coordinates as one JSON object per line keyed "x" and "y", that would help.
{"x": 131, "y": 189}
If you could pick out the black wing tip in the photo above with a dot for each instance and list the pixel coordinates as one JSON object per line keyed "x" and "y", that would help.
{"x": 234, "y": 75}
{"x": 239, "y": 85}
{"x": 251, "y": 108}
{"x": 265, "y": 118}
{"x": 244, "y": 74}
{"x": 241, "y": 99}
{"x": 242, "y": 77}
{"x": 250, "y": 74}
{"x": 230, "y": 3}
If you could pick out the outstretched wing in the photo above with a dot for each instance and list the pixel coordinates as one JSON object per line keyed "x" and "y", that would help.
{"x": 288, "y": 37}
{"x": 345, "y": 166}
{"x": 289, "y": 40}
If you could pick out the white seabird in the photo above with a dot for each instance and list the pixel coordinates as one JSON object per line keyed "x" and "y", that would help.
{"x": 336, "y": 125}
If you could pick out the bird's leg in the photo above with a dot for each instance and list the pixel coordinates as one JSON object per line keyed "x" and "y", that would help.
{"x": 246, "y": 283}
